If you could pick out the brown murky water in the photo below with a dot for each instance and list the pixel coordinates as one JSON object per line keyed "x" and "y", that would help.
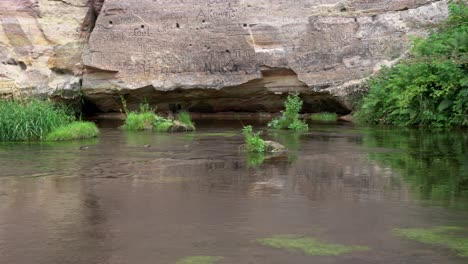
{"x": 119, "y": 201}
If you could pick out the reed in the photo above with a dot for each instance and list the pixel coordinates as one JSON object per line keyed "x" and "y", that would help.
{"x": 31, "y": 119}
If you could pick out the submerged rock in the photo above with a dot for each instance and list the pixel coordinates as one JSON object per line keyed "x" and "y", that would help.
{"x": 274, "y": 147}
{"x": 270, "y": 147}
{"x": 181, "y": 127}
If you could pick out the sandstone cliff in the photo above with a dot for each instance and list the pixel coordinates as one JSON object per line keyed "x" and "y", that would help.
{"x": 204, "y": 55}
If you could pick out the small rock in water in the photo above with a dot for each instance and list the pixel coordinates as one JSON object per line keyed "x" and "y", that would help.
{"x": 84, "y": 147}
{"x": 274, "y": 147}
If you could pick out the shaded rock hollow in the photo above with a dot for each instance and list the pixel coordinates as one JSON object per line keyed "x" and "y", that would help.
{"x": 205, "y": 55}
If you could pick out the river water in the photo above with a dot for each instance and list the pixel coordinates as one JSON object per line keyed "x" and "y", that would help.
{"x": 142, "y": 198}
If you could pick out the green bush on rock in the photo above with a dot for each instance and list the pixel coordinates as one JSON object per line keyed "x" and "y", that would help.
{"x": 290, "y": 120}
{"x": 430, "y": 88}
{"x": 253, "y": 141}
{"x": 74, "y": 131}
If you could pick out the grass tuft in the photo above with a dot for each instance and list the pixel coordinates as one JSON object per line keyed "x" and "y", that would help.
{"x": 309, "y": 246}
{"x": 74, "y": 131}
{"x": 142, "y": 120}
{"x": 185, "y": 118}
{"x": 146, "y": 119}
{"x": 440, "y": 236}
{"x": 199, "y": 260}
{"x": 324, "y": 117}
{"x": 31, "y": 119}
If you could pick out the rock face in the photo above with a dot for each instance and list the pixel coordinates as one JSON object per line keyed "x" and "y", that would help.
{"x": 205, "y": 55}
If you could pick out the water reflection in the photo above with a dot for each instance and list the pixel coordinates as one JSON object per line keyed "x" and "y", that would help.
{"x": 434, "y": 163}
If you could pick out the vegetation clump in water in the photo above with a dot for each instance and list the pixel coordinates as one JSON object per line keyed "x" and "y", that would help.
{"x": 253, "y": 141}
{"x": 430, "y": 88}
{"x": 309, "y": 246}
{"x": 34, "y": 119}
{"x": 74, "y": 131}
{"x": 185, "y": 118}
{"x": 290, "y": 120}
{"x": 324, "y": 117}
{"x": 146, "y": 119}
{"x": 199, "y": 260}
{"x": 440, "y": 236}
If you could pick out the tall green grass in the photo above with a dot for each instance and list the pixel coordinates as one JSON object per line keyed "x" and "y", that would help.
{"x": 22, "y": 120}
{"x": 74, "y": 131}
{"x": 141, "y": 120}
{"x": 185, "y": 118}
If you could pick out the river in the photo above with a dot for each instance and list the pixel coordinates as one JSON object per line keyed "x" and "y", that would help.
{"x": 141, "y": 197}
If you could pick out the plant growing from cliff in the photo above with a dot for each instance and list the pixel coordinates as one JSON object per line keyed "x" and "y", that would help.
{"x": 430, "y": 88}
{"x": 291, "y": 117}
{"x": 31, "y": 119}
{"x": 253, "y": 141}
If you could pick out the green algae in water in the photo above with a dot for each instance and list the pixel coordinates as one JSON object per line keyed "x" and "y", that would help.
{"x": 218, "y": 134}
{"x": 324, "y": 117}
{"x": 199, "y": 260}
{"x": 309, "y": 245}
{"x": 441, "y": 236}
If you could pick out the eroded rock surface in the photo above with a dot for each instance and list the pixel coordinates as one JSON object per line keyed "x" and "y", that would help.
{"x": 206, "y": 55}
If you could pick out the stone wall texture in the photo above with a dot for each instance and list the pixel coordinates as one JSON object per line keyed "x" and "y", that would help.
{"x": 205, "y": 55}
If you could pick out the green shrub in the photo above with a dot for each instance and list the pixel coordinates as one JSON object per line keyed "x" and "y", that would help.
{"x": 253, "y": 141}
{"x": 430, "y": 88}
{"x": 324, "y": 117}
{"x": 290, "y": 118}
{"x": 185, "y": 118}
{"x": 31, "y": 119}
{"x": 74, "y": 131}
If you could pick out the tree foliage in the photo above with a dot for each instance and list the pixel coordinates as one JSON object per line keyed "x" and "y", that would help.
{"x": 430, "y": 87}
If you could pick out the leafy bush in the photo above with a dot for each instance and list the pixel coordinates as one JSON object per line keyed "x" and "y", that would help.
{"x": 253, "y": 140}
{"x": 430, "y": 88}
{"x": 324, "y": 117}
{"x": 74, "y": 131}
{"x": 290, "y": 118}
{"x": 31, "y": 119}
